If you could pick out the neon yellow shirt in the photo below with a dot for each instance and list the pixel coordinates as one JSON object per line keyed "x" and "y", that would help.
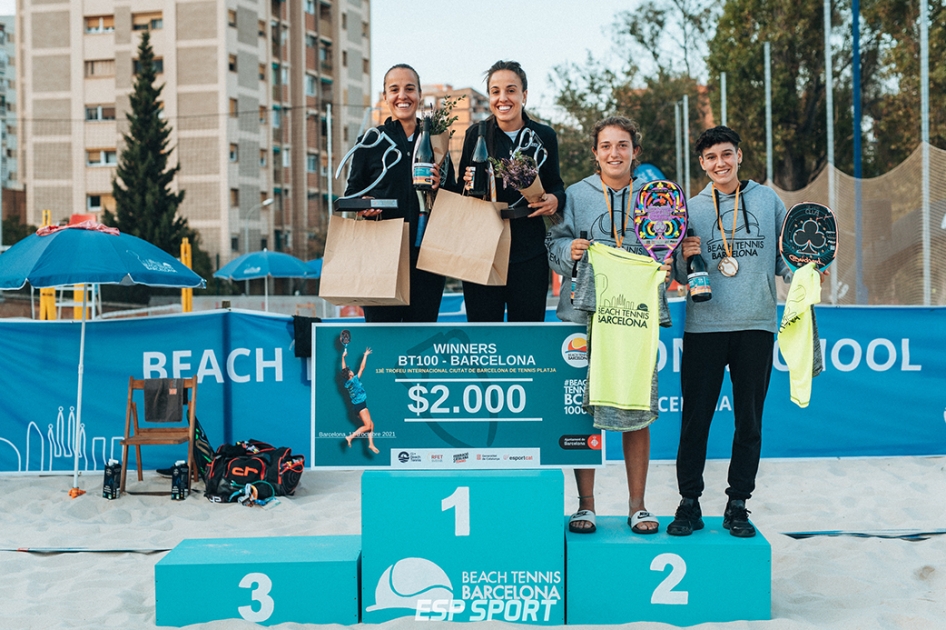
{"x": 795, "y": 332}
{"x": 625, "y": 328}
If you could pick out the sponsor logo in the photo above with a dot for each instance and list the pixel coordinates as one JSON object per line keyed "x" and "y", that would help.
{"x": 575, "y": 350}
{"x": 580, "y": 442}
{"x": 408, "y": 581}
{"x": 403, "y": 457}
{"x": 461, "y": 458}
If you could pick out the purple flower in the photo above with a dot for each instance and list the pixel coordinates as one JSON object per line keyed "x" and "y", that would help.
{"x": 518, "y": 171}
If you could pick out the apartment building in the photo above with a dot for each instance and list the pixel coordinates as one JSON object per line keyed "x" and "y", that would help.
{"x": 246, "y": 88}
{"x": 12, "y": 189}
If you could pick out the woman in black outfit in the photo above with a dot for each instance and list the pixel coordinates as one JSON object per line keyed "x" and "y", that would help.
{"x": 402, "y": 94}
{"x": 528, "y": 278}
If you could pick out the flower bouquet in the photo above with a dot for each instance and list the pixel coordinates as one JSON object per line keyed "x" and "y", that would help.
{"x": 440, "y": 121}
{"x": 520, "y": 172}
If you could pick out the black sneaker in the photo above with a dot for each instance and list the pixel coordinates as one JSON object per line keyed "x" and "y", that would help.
{"x": 736, "y": 519}
{"x": 689, "y": 518}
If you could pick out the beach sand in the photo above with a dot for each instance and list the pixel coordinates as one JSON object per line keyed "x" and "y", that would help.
{"x": 822, "y": 582}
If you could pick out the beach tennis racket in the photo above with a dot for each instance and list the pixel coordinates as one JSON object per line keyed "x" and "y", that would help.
{"x": 809, "y": 234}
{"x": 660, "y": 218}
{"x": 345, "y": 338}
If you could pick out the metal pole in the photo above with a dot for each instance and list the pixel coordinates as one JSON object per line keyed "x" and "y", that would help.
{"x": 328, "y": 134}
{"x": 861, "y": 288}
{"x": 677, "y": 139}
{"x": 686, "y": 144}
{"x": 722, "y": 102}
{"x": 829, "y": 103}
{"x": 925, "y": 139}
{"x": 768, "y": 113}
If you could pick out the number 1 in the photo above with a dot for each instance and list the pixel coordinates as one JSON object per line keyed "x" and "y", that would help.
{"x": 460, "y": 500}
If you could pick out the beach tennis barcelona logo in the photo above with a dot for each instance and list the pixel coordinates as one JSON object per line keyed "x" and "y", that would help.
{"x": 575, "y": 350}
{"x": 409, "y": 581}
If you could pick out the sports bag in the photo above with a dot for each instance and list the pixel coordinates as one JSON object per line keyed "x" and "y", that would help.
{"x": 267, "y": 471}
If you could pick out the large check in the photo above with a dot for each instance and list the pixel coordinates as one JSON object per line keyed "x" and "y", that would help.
{"x": 451, "y": 397}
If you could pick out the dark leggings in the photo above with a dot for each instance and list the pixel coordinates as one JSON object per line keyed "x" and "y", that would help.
{"x": 527, "y": 285}
{"x": 705, "y": 357}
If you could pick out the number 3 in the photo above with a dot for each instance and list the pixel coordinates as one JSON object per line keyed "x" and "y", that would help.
{"x": 259, "y": 594}
{"x": 664, "y": 593}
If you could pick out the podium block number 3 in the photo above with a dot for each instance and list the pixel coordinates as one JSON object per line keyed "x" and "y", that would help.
{"x": 664, "y": 593}
{"x": 460, "y": 502}
{"x": 259, "y": 594}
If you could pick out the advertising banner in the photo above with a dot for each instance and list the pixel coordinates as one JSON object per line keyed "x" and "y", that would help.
{"x": 442, "y": 396}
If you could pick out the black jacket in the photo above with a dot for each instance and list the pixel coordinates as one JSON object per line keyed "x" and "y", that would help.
{"x": 398, "y": 182}
{"x": 528, "y": 235}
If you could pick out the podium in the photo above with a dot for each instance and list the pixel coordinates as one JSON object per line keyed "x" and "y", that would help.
{"x": 615, "y": 576}
{"x": 436, "y": 546}
{"x": 305, "y": 579}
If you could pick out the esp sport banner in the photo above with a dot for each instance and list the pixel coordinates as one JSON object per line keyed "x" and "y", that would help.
{"x": 451, "y": 397}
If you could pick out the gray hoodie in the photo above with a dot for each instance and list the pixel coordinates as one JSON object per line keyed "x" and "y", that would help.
{"x": 585, "y": 209}
{"x": 747, "y": 300}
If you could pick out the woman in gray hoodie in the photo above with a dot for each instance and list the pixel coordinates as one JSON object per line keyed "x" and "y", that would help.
{"x": 601, "y": 205}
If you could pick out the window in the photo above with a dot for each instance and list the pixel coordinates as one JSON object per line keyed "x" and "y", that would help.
{"x": 344, "y": 21}
{"x": 232, "y": 63}
{"x": 365, "y": 29}
{"x": 277, "y": 118}
{"x": 262, "y": 116}
{"x": 101, "y": 157}
{"x": 344, "y": 58}
{"x": 261, "y": 28}
{"x": 311, "y": 163}
{"x": 100, "y": 24}
{"x": 158, "y": 66}
{"x": 262, "y": 72}
{"x": 231, "y": 18}
{"x": 285, "y": 159}
{"x": 310, "y": 6}
{"x": 235, "y": 243}
{"x": 262, "y": 162}
{"x": 99, "y": 202}
{"x": 310, "y": 85}
{"x": 311, "y": 41}
{"x": 234, "y": 108}
{"x": 234, "y": 153}
{"x": 147, "y": 21}
{"x": 234, "y": 197}
{"x": 100, "y": 68}
{"x": 366, "y": 66}
{"x": 345, "y": 134}
{"x": 100, "y": 112}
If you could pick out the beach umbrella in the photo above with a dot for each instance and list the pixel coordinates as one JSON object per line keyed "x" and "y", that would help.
{"x": 89, "y": 253}
{"x": 315, "y": 268}
{"x": 264, "y": 264}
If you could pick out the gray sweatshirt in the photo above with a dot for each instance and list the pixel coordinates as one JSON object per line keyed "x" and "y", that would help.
{"x": 585, "y": 209}
{"x": 747, "y": 300}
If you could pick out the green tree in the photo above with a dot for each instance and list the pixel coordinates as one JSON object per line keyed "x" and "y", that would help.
{"x": 145, "y": 206}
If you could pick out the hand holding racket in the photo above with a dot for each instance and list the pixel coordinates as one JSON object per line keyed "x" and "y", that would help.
{"x": 660, "y": 218}
{"x": 809, "y": 234}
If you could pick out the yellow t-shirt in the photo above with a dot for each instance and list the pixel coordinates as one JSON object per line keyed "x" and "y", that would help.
{"x": 795, "y": 332}
{"x": 625, "y": 327}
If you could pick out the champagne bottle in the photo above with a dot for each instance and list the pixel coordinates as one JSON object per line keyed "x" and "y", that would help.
{"x": 480, "y": 163}
{"x": 424, "y": 159}
{"x": 584, "y": 236}
{"x": 698, "y": 277}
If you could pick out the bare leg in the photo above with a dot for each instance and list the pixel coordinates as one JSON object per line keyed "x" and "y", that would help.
{"x": 365, "y": 416}
{"x": 585, "y": 480}
{"x": 636, "y": 445}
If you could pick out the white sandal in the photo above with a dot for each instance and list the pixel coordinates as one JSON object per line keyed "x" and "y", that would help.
{"x": 582, "y": 516}
{"x": 643, "y": 517}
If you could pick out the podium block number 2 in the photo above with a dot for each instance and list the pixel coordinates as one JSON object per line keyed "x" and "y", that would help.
{"x": 259, "y": 594}
{"x": 664, "y": 593}
{"x": 460, "y": 502}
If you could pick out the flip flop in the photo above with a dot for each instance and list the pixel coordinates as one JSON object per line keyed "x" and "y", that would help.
{"x": 635, "y": 519}
{"x": 586, "y": 516}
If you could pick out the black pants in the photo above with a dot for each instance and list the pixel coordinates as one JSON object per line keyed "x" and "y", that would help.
{"x": 527, "y": 285}
{"x": 705, "y": 356}
{"x": 426, "y": 293}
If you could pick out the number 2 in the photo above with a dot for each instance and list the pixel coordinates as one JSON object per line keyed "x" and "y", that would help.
{"x": 460, "y": 501}
{"x": 259, "y": 594}
{"x": 664, "y": 593}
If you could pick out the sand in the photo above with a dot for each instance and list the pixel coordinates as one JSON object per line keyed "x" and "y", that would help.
{"x": 822, "y": 582}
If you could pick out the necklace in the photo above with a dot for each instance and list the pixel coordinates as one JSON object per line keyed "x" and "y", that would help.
{"x": 728, "y": 266}
{"x": 607, "y": 202}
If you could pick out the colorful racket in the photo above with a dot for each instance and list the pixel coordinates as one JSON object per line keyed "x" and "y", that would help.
{"x": 809, "y": 233}
{"x": 345, "y": 337}
{"x": 660, "y": 218}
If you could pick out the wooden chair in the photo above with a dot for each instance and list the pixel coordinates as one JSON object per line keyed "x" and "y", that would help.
{"x": 146, "y": 433}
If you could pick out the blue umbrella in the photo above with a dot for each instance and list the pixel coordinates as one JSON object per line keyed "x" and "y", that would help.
{"x": 89, "y": 253}
{"x": 315, "y": 268}
{"x": 264, "y": 264}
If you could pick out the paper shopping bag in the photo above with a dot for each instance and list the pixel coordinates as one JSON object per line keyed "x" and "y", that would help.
{"x": 466, "y": 239}
{"x": 366, "y": 263}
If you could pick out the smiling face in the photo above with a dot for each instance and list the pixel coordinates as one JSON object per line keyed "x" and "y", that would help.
{"x": 506, "y": 98}
{"x": 615, "y": 153}
{"x": 721, "y": 164}
{"x": 402, "y": 94}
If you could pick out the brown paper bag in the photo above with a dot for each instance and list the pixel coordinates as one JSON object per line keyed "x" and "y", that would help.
{"x": 366, "y": 263}
{"x": 466, "y": 239}
{"x": 441, "y": 146}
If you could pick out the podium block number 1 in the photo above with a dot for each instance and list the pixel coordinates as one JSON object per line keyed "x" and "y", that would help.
{"x": 664, "y": 593}
{"x": 259, "y": 594}
{"x": 460, "y": 502}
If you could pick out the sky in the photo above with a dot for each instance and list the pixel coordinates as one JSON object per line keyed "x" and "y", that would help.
{"x": 7, "y": 7}
{"x": 455, "y": 42}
